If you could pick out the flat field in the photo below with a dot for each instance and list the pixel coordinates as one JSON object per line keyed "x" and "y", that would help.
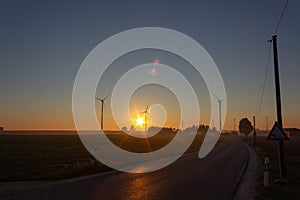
{"x": 292, "y": 156}
{"x": 25, "y": 157}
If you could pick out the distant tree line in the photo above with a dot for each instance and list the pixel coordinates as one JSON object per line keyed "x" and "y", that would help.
{"x": 202, "y": 128}
{"x": 245, "y": 128}
{"x": 156, "y": 129}
{"x": 168, "y": 130}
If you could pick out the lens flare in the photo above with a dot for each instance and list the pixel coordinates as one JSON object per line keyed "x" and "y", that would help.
{"x": 139, "y": 121}
{"x": 152, "y": 72}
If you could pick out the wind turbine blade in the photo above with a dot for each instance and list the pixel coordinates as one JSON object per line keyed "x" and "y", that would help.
{"x": 98, "y": 99}
{"x": 224, "y": 99}
{"x": 217, "y": 98}
{"x": 106, "y": 97}
{"x": 149, "y": 114}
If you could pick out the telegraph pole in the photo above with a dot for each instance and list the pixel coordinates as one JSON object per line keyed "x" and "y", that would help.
{"x": 254, "y": 131}
{"x": 278, "y": 106}
{"x": 267, "y": 121}
{"x": 234, "y": 125}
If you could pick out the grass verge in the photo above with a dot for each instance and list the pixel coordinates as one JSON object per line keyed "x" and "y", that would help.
{"x": 276, "y": 191}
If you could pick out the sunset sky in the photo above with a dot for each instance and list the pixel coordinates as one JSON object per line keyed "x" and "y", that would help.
{"x": 43, "y": 44}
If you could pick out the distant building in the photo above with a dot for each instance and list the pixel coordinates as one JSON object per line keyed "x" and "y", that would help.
{"x": 292, "y": 132}
{"x": 1, "y": 129}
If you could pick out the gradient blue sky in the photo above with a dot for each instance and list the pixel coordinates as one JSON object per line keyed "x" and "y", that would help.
{"x": 44, "y": 42}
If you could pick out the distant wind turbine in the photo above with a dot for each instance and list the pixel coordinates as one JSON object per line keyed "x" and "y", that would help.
{"x": 220, "y": 110}
{"x": 102, "y": 106}
{"x": 145, "y": 114}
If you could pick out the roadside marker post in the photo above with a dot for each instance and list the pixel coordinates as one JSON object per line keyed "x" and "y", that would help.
{"x": 266, "y": 172}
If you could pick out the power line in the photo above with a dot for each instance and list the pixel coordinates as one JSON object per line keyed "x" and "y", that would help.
{"x": 265, "y": 79}
{"x": 281, "y": 16}
{"x": 268, "y": 57}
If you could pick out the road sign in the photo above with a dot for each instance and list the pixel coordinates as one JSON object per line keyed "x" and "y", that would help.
{"x": 277, "y": 133}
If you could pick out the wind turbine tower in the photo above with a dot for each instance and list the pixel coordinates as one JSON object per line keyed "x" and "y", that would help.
{"x": 220, "y": 111}
{"x": 102, "y": 108}
{"x": 145, "y": 115}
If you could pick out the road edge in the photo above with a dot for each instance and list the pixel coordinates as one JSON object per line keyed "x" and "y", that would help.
{"x": 245, "y": 187}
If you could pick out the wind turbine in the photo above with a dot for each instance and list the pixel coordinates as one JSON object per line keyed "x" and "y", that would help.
{"x": 102, "y": 107}
{"x": 145, "y": 114}
{"x": 220, "y": 110}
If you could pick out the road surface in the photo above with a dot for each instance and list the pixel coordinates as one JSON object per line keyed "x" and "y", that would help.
{"x": 213, "y": 177}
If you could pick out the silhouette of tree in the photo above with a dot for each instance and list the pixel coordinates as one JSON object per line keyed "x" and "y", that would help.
{"x": 132, "y": 129}
{"x": 154, "y": 129}
{"x": 190, "y": 129}
{"x": 203, "y": 128}
{"x": 245, "y": 127}
{"x": 164, "y": 130}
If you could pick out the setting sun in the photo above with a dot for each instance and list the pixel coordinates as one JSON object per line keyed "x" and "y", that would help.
{"x": 139, "y": 121}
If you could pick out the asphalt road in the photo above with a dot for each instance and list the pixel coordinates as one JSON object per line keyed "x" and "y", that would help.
{"x": 212, "y": 177}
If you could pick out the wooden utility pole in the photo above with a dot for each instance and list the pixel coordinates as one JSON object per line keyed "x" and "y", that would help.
{"x": 267, "y": 121}
{"x": 278, "y": 106}
{"x": 234, "y": 125}
{"x": 254, "y": 131}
